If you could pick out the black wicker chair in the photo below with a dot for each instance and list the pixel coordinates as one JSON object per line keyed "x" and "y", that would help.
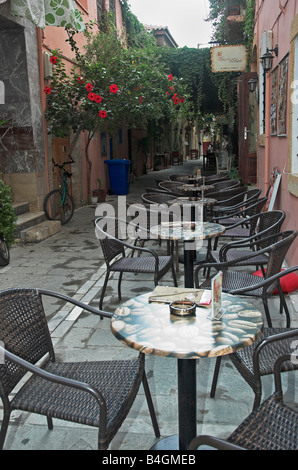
{"x": 97, "y": 394}
{"x": 113, "y": 247}
{"x": 272, "y": 426}
{"x": 223, "y": 185}
{"x": 268, "y": 223}
{"x": 233, "y": 279}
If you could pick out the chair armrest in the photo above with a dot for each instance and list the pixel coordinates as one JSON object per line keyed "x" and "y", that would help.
{"x": 127, "y": 245}
{"x": 269, "y": 340}
{"x": 57, "y": 379}
{"x": 250, "y": 242}
{"x": 76, "y": 302}
{"x": 211, "y": 441}
{"x": 265, "y": 282}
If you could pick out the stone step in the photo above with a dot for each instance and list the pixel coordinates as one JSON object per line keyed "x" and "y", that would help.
{"x": 27, "y": 220}
{"x": 40, "y": 231}
{"x": 21, "y": 207}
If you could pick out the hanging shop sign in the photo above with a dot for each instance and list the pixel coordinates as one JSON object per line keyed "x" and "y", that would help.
{"x": 229, "y": 58}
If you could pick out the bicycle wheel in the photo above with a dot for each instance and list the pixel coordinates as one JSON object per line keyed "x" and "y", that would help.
{"x": 4, "y": 252}
{"x": 56, "y": 209}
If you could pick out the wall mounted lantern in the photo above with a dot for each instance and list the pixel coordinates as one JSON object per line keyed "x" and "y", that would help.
{"x": 252, "y": 83}
{"x": 267, "y": 58}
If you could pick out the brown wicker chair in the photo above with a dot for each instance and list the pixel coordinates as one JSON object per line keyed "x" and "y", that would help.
{"x": 268, "y": 223}
{"x": 113, "y": 247}
{"x": 272, "y": 426}
{"x": 161, "y": 197}
{"x": 173, "y": 187}
{"x": 98, "y": 394}
{"x": 234, "y": 203}
{"x": 233, "y": 279}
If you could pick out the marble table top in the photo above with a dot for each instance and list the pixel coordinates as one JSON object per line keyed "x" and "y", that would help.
{"x": 187, "y": 230}
{"x": 149, "y": 328}
{"x": 187, "y": 201}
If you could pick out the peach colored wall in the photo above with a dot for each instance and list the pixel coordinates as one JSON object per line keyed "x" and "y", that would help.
{"x": 54, "y": 38}
{"x": 271, "y": 17}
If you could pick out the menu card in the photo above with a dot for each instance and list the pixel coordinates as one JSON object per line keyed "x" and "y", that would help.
{"x": 165, "y": 294}
{"x": 216, "y": 292}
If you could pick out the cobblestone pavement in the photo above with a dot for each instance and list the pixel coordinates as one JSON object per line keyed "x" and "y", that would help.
{"x": 71, "y": 262}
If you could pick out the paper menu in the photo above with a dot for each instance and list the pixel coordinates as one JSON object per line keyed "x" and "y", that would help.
{"x": 216, "y": 290}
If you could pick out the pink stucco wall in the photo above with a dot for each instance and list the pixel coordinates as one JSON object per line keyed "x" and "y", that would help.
{"x": 54, "y": 38}
{"x": 271, "y": 17}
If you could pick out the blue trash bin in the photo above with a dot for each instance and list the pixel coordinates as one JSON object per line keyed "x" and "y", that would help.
{"x": 119, "y": 175}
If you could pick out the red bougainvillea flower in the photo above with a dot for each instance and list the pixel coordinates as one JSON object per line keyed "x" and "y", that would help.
{"x": 53, "y": 59}
{"x": 170, "y": 77}
{"x": 91, "y": 96}
{"x": 167, "y": 92}
{"x": 171, "y": 88}
{"x": 98, "y": 99}
{"x": 182, "y": 99}
{"x": 81, "y": 80}
{"x": 140, "y": 99}
{"x": 114, "y": 88}
{"x": 48, "y": 90}
{"x": 135, "y": 89}
{"x": 89, "y": 87}
{"x": 102, "y": 114}
{"x": 176, "y": 100}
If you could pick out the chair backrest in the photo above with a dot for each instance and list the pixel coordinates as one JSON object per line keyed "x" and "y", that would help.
{"x": 173, "y": 187}
{"x": 277, "y": 254}
{"x": 227, "y": 184}
{"x": 24, "y": 331}
{"x": 229, "y": 193}
{"x": 157, "y": 198}
{"x": 255, "y": 207}
{"x": 179, "y": 177}
{"x": 111, "y": 247}
{"x": 269, "y": 222}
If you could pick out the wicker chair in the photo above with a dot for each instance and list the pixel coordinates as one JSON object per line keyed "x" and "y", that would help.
{"x": 234, "y": 203}
{"x": 98, "y": 394}
{"x": 173, "y": 187}
{"x": 272, "y": 426}
{"x": 223, "y": 185}
{"x": 268, "y": 223}
{"x": 114, "y": 247}
{"x": 158, "y": 198}
{"x": 233, "y": 279}
{"x": 257, "y": 360}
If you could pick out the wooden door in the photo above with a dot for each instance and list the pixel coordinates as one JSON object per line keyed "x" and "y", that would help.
{"x": 247, "y": 130}
{"x": 60, "y": 147}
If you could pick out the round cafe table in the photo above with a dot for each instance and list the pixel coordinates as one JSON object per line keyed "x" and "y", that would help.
{"x": 188, "y": 232}
{"x": 149, "y": 328}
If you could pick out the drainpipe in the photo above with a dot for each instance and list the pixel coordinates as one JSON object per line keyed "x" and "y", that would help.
{"x": 39, "y": 36}
{"x": 267, "y": 130}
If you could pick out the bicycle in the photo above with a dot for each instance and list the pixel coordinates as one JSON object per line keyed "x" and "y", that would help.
{"x": 4, "y": 250}
{"x": 58, "y": 203}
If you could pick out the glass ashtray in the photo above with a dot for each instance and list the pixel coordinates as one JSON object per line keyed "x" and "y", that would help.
{"x": 183, "y": 308}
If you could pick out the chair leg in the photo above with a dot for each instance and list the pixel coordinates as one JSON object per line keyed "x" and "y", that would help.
{"x": 50, "y": 423}
{"x": 174, "y": 276}
{"x": 119, "y": 286}
{"x": 4, "y": 426}
{"x": 150, "y": 406}
{"x": 267, "y": 313}
{"x": 215, "y": 376}
{"x": 104, "y": 289}
{"x": 283, "y": 306}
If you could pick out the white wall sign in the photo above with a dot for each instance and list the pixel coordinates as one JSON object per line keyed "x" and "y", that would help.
{"x": 229, "y": 58}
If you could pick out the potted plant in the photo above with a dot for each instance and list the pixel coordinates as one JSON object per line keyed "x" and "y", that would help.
{"x": 99, "y": 193}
